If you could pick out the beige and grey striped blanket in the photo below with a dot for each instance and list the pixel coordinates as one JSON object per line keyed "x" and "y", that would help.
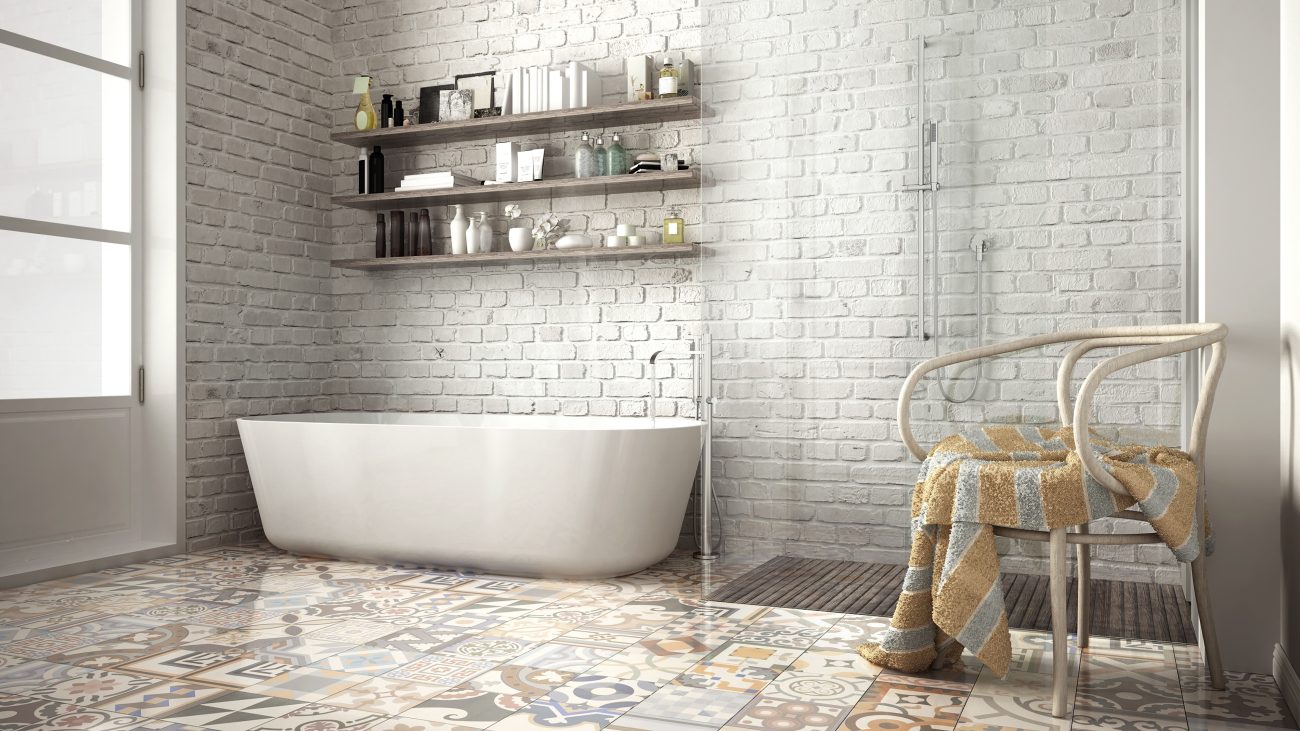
{"x": 1018, "y": 477}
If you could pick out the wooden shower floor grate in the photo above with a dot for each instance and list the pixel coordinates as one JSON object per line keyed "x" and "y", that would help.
{"x": 1128, "y": 609}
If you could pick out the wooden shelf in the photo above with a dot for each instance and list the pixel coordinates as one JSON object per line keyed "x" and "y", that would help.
{"x": 561, "y": 187}
{"x": 509, "y": 257}
{"x": 511, "y": 125}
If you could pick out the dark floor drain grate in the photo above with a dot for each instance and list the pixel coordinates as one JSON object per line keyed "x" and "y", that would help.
{"x": 1126, "y": 609}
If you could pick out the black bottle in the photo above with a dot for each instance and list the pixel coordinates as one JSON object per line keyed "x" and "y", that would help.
{"x": 399, "y": 117}
{"x": 362, "y": 181}
{"x": 376, "y": 171}
{"x": 412, "y": 234}
{"x": 385, "y": 110}
{"x": 397, "y": 237}
{"x": 381, "y": 236}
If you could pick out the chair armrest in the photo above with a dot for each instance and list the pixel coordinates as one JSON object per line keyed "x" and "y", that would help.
{"x": 1066, "y": 370}
{"x": 1212, "y": 335}
{"x": 1181, "y": 332}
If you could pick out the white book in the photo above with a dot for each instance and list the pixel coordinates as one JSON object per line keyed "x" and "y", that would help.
{"x": 557, "y": 91}
{"x": 517, "y": 91}
{"x": 525, "y": 93}
{"x": 587, "y": 88}
{"x": 437, "y": 178}
{"x": 573, "y": 78}
{"x": 539, "y": 99}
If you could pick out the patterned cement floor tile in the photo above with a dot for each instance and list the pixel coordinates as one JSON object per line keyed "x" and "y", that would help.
{"x": 307, "y": 684}
{"x": 246, "y": 637}
{"x": 235, "y": 711}
{"x": 160, "y": 699}
{"x": 319, "y": 717}
{"x": 386, "y": 696}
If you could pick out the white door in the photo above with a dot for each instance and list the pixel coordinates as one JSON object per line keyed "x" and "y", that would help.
{"x": 70, "y": 268}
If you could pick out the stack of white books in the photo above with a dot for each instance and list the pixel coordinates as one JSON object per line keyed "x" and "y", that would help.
{"x": 435, "y": 181}
{"x": 547, "y": 89}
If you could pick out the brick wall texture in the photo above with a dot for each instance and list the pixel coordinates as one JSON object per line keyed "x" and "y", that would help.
{"x": 1059, "y": 128}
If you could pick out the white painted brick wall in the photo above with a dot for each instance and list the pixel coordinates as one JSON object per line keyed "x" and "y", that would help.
{"x": 1060, "y": 144}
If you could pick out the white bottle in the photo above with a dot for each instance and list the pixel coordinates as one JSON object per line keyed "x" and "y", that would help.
{"x": 459, "y": 224}
{"x": 471, "y": 237}
{"x": 484, "y": 234}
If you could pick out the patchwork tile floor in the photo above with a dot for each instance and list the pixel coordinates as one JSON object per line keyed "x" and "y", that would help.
{"x": 238, "y": 639}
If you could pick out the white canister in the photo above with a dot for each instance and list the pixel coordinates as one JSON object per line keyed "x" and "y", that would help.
{"x": 521, "y": 239}
{"x": 635, "y": 241}
{"x": 626, "y": 229}
{"x": 615, "y": 242}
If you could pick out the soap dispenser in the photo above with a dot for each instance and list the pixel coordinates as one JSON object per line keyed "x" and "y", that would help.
{"x": 366, "y": 119}
{"x": 616, "y": 159}
{"x": 584, "y": 159}
{"x": 601, "y": 156}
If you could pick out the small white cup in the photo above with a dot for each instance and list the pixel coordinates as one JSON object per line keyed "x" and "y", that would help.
{"x": 626, "y": 229}
{"x": 615, "y": 242}
{"x": 521, "y": 239}
{"x": 635, "y": 241}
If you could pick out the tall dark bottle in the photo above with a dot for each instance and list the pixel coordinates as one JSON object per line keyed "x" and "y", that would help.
{"x": 381, "y": 236}
{"x": 376, "y": 171}
{"x": 425, "y": 235}
{"x": 385, "y": 110}
{"x": 412, "y": 227}
{"x": 399, "y": 116}
{"x": 397, "y": 235}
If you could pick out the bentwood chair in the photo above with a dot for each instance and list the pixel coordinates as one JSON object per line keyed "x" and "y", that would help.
{"x": 1152, "y": 343}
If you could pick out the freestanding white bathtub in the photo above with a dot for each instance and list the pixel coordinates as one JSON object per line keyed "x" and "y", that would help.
{"x": 559, "y": 497}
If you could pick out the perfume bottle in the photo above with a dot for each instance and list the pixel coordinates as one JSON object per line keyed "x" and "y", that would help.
{"x": 584, "y": 159}
{"x": 366, "y": 117}
{"x": 669, "y": 77}
{"x": 674, "y": 227}
{"x": 616, "y": 159}
{"x": 601, "y": 156}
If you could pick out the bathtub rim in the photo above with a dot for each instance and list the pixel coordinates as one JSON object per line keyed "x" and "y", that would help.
{"x": 486, "y": 422}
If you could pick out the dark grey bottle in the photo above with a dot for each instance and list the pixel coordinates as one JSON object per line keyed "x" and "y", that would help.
{"x": 381, "y": 236}
{"x": 425, "y": 235}
{"x": 397, "y": 237}
{"x": 412, "y": 227}
{"x": 376, "y": 171}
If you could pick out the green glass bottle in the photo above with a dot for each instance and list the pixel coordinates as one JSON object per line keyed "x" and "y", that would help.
{"x": 616, "y": 159}
{"x": 602, "y": 157}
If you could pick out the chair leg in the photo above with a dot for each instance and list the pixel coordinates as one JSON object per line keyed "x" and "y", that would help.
{"x": 1208, "y": 634}
{"x": 1060, "y": 587}
{"x": 1083, "y": 553}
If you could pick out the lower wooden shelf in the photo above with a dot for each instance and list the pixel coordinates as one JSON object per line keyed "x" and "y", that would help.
{"x": 508, "y": 257}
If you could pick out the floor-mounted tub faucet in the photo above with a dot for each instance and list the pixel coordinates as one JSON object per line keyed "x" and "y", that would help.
{"x": 702, "y": 380}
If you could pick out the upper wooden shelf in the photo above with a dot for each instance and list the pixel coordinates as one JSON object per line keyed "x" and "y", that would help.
{"x": 511, "y": 125}
{"x": 510, "y": 257}
{"x": 559, "y": 187}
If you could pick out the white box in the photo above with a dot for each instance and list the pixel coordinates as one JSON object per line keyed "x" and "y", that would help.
{"x": 640, "y": 75}
{"x": 507, "y": 159}
{"x": 524, "y": 169}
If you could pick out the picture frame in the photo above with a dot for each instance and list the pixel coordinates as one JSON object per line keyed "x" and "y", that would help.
{"x": 455, "y": 105}
{"x": 429, "y": 102}
{"x": 484, "y": 87}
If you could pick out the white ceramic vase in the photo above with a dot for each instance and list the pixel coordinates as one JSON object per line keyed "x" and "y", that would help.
{"x": 471, "y": 237}
{"x": 459, "y": 227}
{"x": 521, "y": 239}
{"x": 485, "y": 242}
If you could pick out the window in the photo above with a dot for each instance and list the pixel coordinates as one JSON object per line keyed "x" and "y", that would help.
{"x": 69, "y": 198}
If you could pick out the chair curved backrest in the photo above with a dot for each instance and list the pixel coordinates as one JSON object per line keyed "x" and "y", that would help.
{"x": 1153, "y": 342}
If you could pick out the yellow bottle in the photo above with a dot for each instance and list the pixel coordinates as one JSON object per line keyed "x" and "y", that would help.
{"x": 674, "y": 228}
{"x": 366, "y": 117}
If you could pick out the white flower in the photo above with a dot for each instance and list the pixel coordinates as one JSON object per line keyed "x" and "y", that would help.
{"x": 513, "y": 211}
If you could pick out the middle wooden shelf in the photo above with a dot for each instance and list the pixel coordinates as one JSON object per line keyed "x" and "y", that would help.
{"x": 508, "y": 192}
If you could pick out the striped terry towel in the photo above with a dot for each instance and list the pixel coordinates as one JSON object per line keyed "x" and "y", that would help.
{"x": 1018, "y": 477}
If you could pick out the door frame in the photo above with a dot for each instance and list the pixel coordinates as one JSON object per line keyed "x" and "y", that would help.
{"x": 158, "y": 265}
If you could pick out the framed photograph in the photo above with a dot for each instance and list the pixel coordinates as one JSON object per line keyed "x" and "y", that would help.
{"x": 455, "y": 105}
{"x": 429, "y": 104}
{"x": 483, "y": 85}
